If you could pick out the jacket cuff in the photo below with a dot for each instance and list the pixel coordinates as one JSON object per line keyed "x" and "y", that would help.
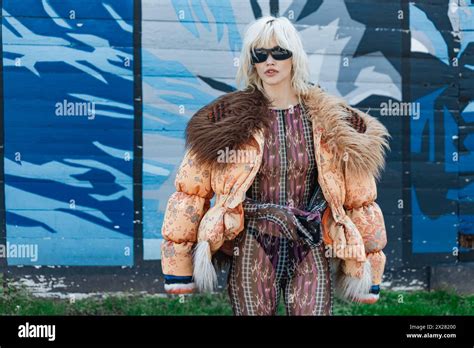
{"x": 172, "y": 279}
{"x": 179, "y": 284}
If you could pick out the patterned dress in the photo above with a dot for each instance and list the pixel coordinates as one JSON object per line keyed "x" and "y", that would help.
{"x": 266, "y": 260}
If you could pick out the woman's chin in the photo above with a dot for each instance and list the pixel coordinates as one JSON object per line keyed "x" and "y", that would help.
{"x": 272, "y": 81}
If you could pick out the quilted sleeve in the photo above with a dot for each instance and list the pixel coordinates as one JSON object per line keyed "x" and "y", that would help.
{"x": 184, "y": 211}
{"x": 361, "y": 207}
{"x": 364, "y": 212}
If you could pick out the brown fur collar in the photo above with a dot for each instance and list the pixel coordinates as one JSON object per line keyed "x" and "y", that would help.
{"x": 357, "y": 140}
{"x": 227, "y": 122}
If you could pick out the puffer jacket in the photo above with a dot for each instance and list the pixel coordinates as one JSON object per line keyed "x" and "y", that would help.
{"x": 349, "y": 147}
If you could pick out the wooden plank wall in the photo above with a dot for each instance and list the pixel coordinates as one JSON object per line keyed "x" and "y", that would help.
{"x": 68, "y": 131}
{"x": 69, "y": 180}
{"x": 395, "y": 52}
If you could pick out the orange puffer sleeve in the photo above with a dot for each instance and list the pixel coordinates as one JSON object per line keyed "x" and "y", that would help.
{"x": 184, "y": 211}
{"x": 366, "y": 214}
{"x": 353, "y": 225}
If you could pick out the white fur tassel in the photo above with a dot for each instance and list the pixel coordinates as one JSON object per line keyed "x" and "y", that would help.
{"x": 204, "y": 274}
{"x": 351, "y": 288}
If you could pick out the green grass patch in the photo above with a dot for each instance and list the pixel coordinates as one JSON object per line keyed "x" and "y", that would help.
{"x": 18, "y": 301}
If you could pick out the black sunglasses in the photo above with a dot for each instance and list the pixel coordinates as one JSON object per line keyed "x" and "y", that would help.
{"x": 260, "y": 55}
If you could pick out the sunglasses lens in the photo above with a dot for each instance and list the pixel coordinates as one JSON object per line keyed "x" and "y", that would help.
{"x": 281, "y": 53}
{"x": 259, "y": 56}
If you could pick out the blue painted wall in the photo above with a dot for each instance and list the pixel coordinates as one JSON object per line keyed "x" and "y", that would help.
{"x": 68, "y": 170}
{"x": 69, "y": 179}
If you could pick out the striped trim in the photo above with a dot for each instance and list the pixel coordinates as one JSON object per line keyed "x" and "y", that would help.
{"x": 171, "y": 279}
{"x": 180, "y": 288}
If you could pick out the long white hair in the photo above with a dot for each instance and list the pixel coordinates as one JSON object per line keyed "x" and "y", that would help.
{"x": 260, "y": 34}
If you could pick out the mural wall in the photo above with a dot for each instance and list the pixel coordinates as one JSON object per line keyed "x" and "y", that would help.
{"x": 441, "y": 80}
{"x": 69, "y": 170}
{"x": 68, "y": 131}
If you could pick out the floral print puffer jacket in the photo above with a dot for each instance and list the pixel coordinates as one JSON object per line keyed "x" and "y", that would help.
{"x": 350, "y": 154}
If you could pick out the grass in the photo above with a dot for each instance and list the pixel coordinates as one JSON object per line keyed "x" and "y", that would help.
{"x": 18, "y": 301}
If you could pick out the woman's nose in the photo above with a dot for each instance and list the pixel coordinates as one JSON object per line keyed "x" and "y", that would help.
{"x": 270, "y": 59}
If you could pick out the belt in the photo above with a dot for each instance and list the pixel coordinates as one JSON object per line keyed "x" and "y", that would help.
{"x": 295, "y": 223}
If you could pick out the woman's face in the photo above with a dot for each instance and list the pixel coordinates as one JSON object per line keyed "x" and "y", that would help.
{"x": 282, "y": 68}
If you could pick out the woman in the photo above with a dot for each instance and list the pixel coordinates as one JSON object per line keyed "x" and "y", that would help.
{"x": 294, "y": 171}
